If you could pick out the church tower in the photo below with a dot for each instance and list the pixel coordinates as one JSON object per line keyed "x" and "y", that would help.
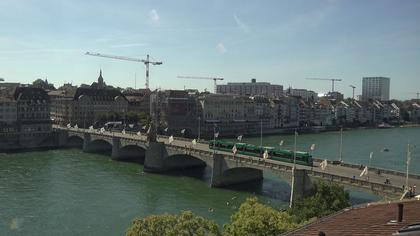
{"x": 101, "y": 83}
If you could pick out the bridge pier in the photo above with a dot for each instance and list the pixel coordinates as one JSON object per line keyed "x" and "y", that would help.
{"x": 86, "y": 141}
{"x": 116, "y": 144}
{"x": 222, "y": 175}
{"x": 157, "y": 159}
{"x": 61, "y": 138}
{"x": 302, "y": 185}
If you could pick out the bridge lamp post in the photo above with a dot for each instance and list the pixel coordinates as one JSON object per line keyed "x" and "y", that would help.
{"x": 312, "y": 152}
{"x": 214, "y": 138}
{"x": 408, "y": 165}
{"x": 341, "y": 146}
{"x": 293, "y": 172}
{"x": 261, "y": 135}
{"x": 199, "y": 127}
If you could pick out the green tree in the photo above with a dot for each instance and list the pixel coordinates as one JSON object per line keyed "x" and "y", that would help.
{"x": 39, "y": 83}
{"x": 254, "y": 218}
{"x": 325, "y": 199}
{"x": 186, "y": 224}
{"x": 132, "y": 117}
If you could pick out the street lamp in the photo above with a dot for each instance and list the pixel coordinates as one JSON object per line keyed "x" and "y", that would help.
{"x": 293, "y": 172}
{"x": 341, "y": 146}
{"x": 408, "y": 165}
{"x": 215, "y": 135}
{"x": 199, "y": 127}
{"x": 261, "y": 136}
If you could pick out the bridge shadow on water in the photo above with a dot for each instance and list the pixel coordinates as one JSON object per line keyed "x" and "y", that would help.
{"x": 267, "y": 187}
{"x": 270, "y": 186}
{"x": 192, "y": 172}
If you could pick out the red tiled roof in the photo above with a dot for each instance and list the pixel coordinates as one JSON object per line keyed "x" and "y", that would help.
{"x": 370, "y": 219}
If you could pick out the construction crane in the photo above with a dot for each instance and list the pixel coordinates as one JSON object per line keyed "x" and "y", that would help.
{"x": 353, "y": 87}
{"x": 146, "y": 62}
{"x": 332, "y": 81}
{"x": 199, "y": 77}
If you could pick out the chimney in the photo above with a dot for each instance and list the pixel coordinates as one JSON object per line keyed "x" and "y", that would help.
{"x": 400, "y": 212}
{"x": 253, "y": 80}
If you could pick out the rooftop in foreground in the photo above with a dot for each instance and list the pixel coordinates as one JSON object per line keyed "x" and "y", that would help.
{"x": 370, "y": 219}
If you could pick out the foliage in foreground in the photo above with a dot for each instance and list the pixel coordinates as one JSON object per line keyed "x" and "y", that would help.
{"x": 186, "y": 224}
{"x": 326, "y": 198}
{"x": 254, "y": 218}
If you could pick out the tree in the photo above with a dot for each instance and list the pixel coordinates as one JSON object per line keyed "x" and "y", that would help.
{"x": 325, "y": 199}
{"x": 133, "y": 117}
{"x": 254, "y": 218}
{"x": 39, "y": 83}
{"x": 186, "y": 224}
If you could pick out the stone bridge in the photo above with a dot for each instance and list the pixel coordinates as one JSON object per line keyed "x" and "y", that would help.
{"x": 227, "y": 169}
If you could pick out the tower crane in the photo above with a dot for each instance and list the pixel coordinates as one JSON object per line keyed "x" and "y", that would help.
{"x": 353, "y": 87}
{"x": 332, "y": 81}
{"x": 199, "y": 77}
{"x": 146, "y": 62}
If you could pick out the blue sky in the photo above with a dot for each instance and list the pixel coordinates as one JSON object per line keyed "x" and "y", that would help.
{"x": 282, "y": 42}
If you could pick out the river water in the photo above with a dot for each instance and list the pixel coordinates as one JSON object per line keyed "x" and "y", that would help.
{"x": 68, "y": 192}
{"x": 357, "y": 146}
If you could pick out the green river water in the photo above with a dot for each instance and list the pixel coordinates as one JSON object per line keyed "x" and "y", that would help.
{"x": 68, "y": 192}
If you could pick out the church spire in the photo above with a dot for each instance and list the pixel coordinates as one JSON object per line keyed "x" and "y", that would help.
{"x": 101, "y": 83}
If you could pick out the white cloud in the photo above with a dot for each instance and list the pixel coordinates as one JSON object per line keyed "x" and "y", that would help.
{"x": 221, "y": 48}
{"x": 154, "y": 17}
{"x": 240, "y": 24}
{"x": 129, "y": 45}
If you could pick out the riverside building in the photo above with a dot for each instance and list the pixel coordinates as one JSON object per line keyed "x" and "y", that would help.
{"x": 253, "y": 88}
{"x": 376, "y": 88}
{"x": 86, "y": 106}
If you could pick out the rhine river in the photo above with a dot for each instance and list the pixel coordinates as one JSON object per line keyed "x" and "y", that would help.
{"x": 68, "y": 192}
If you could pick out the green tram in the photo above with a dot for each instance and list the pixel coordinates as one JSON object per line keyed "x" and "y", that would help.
{"x": 302, "y": 158}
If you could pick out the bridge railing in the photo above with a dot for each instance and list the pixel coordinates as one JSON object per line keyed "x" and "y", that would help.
{"x": 378, "y": 187}
{"x": 373, "y": 169}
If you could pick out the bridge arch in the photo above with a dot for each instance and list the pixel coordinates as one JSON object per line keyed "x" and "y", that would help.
{"x": 238, "y": 175}
{"x": 74, "y": 141}
{"x": 132, "y": 152}
{"x": 183, "y": 161}
{"x": 99, "y": 145}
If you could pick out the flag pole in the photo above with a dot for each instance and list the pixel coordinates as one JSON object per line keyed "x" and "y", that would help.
{"x": 408, "y": 164}
{"x": 293, "y": 173}
{"x": 341, "y": 146}
{"x": 261, "y": 135}
{"x": 214, "y": 139}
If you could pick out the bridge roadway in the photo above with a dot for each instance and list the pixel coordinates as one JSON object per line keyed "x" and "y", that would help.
{"x": 345, "y": 174}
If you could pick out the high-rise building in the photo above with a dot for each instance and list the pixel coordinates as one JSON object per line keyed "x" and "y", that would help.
{"x": 251, "y": 89}
{"x": 375, "y": 88}
{"x": 307, "y": 95}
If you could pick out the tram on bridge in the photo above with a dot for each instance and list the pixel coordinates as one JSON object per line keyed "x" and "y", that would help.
{"x": 302, "y": 158}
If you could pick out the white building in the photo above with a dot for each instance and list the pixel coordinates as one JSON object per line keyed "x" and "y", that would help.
{"x": 251, "y": 89}
{"x": 307, "y": 95}
{"x": 376, "y": 88}
{"x": 233, "y": 115}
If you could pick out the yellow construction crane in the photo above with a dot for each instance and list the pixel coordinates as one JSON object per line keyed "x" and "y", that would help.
{"x": 353, "y": 87}
{"x": 332, "y": 80}
{"x": 146, "y": 62}
{"x": 199, "y": 77}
